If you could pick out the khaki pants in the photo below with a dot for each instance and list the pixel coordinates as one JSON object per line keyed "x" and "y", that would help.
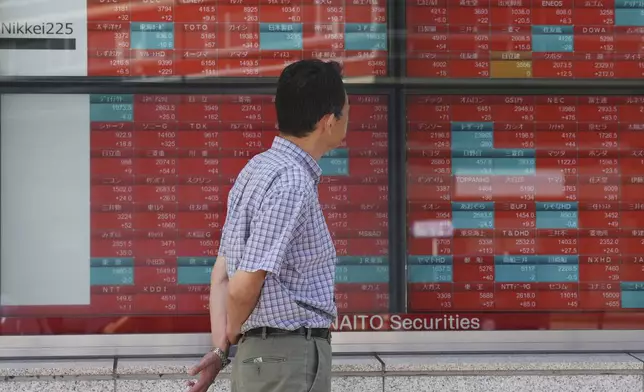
{"x": 282, "y": 363}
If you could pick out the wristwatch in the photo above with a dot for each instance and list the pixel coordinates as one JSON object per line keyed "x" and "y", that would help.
{"x": 222, "y": 356}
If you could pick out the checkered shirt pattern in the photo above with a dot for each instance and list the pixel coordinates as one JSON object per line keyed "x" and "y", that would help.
{"x": 275, "y": 223}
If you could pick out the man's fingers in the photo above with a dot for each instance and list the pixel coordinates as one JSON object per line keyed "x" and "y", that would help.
{"x": 205, "y": 362}
{"x": 199, "y": 386}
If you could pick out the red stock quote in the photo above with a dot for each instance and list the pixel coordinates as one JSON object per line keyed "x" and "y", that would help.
{"x": 525, "y": 39}
{"x": 233, "y": 38}
{"x": 161, "y": 169}
{"x": 545, "y": 197}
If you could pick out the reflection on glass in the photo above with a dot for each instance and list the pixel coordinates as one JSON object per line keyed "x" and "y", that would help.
{"x": 223, "y": 39}
{"x": 523, "y": 40}
{"x": 543, "y": 194}
{"x": 128, "y": 211}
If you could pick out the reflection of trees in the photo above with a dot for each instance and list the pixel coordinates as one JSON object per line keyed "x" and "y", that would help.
{"x": 10, "y": 326}
{"x": 25, "y": 326}
{"x": 114, "y": 326}
{"x": 137, "y": 60}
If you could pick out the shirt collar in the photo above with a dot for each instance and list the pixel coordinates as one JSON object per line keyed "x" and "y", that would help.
{"x": 291, "y": 149}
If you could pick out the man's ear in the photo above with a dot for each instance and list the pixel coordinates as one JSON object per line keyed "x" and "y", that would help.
{"x": 329, "y": 121}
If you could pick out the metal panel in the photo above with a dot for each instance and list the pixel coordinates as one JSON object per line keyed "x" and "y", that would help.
{"x": 72, "y": 85}
{"x": 85, "y": 85}
{"x": 393, "y": 42}
{"x": 396, "y": 248}
{"x": 0, "y": 193}
{"x": 401, "y": 208}
{"x": 93, "y": 346}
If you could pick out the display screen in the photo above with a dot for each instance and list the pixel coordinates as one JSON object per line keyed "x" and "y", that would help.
{"x": 236, "y": 38}
{"x": 544, "y": 196}
{"x": 159, "y": 170}
{"x": 525, "y": 39}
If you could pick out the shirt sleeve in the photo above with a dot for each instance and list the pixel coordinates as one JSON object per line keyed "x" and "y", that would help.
{"x": 222, "y": 242}
{"x": 273, "y": 228}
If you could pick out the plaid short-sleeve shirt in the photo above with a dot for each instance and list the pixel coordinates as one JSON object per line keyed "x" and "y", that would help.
{"x": 275, "y": 223}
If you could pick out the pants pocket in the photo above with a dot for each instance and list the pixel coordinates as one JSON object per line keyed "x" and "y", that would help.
{"x": 322, "y": 380}
{"x": 264, "y": 359}
{"x": 270, "y": 365}
{"x": 262, "y": 374}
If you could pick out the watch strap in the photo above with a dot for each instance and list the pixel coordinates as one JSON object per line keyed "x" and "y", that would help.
{"x": 222, "y": 356}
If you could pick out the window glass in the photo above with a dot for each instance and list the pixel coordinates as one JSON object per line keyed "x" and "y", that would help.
{"x": 525, "y": 212}
{"x": 112, "y": 207}
{"x": 206, "y": 38}
{"x": 497, "y": 39}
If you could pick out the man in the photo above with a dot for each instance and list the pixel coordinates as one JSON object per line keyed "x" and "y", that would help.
{"x": 272, "y": 288}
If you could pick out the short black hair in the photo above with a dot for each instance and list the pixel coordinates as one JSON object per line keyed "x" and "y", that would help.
{"x": 308, "y": 90}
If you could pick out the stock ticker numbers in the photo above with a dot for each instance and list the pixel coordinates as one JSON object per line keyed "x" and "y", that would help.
{"x": 525, "y": 38}
{"x": 233, "y": 38}
{"x": 162, "y": 167}
{"x": 545, "y": 197}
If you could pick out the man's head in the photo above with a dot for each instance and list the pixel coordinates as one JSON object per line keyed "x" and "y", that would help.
{"x": 312, "y": 105}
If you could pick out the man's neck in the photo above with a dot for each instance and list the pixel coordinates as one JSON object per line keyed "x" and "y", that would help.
{"x": 306, "y": 144}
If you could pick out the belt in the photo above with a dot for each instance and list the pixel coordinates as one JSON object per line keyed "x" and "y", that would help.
{"x": 322, "y": 333}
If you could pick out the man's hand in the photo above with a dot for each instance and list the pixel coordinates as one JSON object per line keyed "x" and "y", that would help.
{"x": 207, "y": 369}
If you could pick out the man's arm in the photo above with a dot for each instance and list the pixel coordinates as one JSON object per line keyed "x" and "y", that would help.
{"x": 243, "y": 294}
{"x": 272, "y": 231}
{"x": 211, "y": 364}
{"x": 218, "y": 294}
